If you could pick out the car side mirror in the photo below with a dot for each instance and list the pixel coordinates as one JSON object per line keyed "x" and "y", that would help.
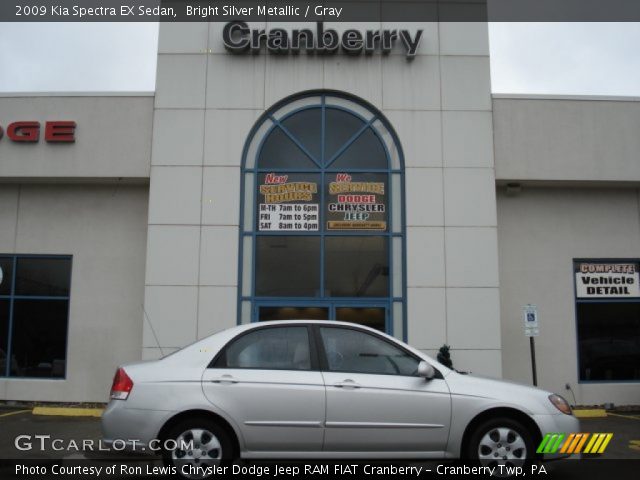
{"x": 426, "y": 370}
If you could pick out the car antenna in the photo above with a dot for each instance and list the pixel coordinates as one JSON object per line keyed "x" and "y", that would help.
{"x": 152, "y": 330}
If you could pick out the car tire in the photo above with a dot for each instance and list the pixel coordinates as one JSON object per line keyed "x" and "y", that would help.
{"x": 501, "y": 441}
{"x": 211, "y": 447}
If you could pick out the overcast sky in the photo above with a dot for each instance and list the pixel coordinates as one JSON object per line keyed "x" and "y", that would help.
{"x": 556, "y": 58}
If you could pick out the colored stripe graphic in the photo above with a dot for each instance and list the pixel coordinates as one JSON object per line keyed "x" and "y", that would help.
{"x": 543, "y": 443}
{"x": 573, "y": 443}
{"x": 598, "y": 443}
{"x": 551, "y": 442}
{"x": 558, "y": 442}
{"x": 593, "y": 439}
{"x": 596, "y": 446}
{"x": 582, "y": 442}
{"x": 608, "y": 438}
{"x": 570, "y": 442}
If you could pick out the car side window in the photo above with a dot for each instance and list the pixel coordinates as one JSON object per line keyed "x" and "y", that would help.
{"x": 360, "y": 352}
{"x": 283, "y": 348}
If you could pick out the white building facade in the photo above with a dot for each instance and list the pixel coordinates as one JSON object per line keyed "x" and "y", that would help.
{"x": 385, "y": 188}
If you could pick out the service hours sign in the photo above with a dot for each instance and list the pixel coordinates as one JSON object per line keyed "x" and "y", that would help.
{"x": 288, "y": 202}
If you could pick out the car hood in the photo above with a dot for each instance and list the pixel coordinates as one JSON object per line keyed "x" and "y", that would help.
{"x": 502, "y": 392}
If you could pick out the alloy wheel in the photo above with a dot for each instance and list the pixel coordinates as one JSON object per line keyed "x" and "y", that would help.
{"x": 196, "y": 447}
{"x": 502, "y": 446}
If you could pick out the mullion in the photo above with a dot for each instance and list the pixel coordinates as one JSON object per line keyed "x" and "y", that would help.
{"x": 323, "y": 175}
{"x": 292, "y": 137}
{"x": 11, "y": 308}
{"x": 349, "y": 142}
{"x": 390, "y": 238}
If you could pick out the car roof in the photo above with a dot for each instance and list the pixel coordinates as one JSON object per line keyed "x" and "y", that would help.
{"x": 302, "y": 320}
{"x": 249, "y": 326}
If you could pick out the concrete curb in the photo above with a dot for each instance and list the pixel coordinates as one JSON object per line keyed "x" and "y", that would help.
{"x": 590, "y": 413}
{"x": 68, "y": 411}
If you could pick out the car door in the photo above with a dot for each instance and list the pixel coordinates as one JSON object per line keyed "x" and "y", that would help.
{"x": 375, "y": 400}
{"x": 267, "y": 381}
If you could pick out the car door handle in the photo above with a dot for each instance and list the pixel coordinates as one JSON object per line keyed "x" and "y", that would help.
{"x": 224, "y": 379}
{"x": 348, "y": 383}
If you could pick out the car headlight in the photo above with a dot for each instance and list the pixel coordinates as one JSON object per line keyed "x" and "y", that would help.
{"x": 560, "y": 403}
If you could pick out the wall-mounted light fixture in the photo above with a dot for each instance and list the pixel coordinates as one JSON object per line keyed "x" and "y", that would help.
{"x": 513, "y": 189}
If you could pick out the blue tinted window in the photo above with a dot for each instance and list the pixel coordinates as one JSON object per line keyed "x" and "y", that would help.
{"x": 34, "y": 315}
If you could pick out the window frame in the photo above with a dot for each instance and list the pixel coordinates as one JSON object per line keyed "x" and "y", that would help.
{"x": 324, "y": 363}
{"x": 373, "y": 119}
{"x": 219, "y": 361}
{"x": 13, "y": 297}
{"x": 319, "y": 362}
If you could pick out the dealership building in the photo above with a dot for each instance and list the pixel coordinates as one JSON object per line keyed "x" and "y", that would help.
{"x": 361, "y": 172}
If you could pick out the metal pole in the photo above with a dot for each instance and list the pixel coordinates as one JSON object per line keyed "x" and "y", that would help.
{"x": 532, "y": 345}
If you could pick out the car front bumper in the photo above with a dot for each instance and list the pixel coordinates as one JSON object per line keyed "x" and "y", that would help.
{"x": 559, "y": 423}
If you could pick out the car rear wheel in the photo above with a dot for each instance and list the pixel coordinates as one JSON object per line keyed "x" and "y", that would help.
{"x": 501, "y": 441}
{"x": 200, "y": 446}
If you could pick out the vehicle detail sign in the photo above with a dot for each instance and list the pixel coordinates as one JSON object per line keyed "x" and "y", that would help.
{"x": 607, "y": 280}
{"x": 287, "y": 203}
{"x": 354, "y": 202}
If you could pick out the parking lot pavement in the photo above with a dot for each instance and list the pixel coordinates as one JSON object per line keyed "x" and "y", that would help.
{"x": 73, "y": 431}
{"x": 626, "y": 434}
{"x": 614, "y": 462}
{"x": 21, "y": 422}
{"x": 23, "y": 436}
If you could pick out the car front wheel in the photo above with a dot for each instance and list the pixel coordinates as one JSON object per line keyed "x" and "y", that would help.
{"x": 501, "y": 441}
{"x": 199, "y": 445}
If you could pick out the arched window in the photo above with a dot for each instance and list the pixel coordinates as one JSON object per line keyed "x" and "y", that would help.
{"x": 322, "y": 227}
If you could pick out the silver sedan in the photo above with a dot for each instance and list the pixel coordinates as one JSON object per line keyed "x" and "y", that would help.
{"x": 322, "y": 389}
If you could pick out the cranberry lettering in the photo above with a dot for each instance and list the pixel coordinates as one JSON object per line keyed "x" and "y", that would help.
{"x": 29, "y": 132}
{"x": 238, "y": 38}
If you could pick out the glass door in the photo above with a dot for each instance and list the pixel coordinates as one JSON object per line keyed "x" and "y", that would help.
{"x": 369, "y": 316}
{"x": 291, "y": 312}
{"x": 374, "y": 315}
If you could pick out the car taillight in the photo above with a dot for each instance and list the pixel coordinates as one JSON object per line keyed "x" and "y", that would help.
{"x": 122, "y": 385}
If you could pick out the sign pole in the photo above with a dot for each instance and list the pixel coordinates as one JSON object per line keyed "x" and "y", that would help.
{"x": 531, "y": 330}
{"x": 532, "y": 345}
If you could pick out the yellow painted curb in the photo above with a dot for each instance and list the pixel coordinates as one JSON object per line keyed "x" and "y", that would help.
{"x": 17, "y": 412}
{"x": 632, "y": 417}
{"x": 68, "y": 411}
{"x": 590, "y": 413}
